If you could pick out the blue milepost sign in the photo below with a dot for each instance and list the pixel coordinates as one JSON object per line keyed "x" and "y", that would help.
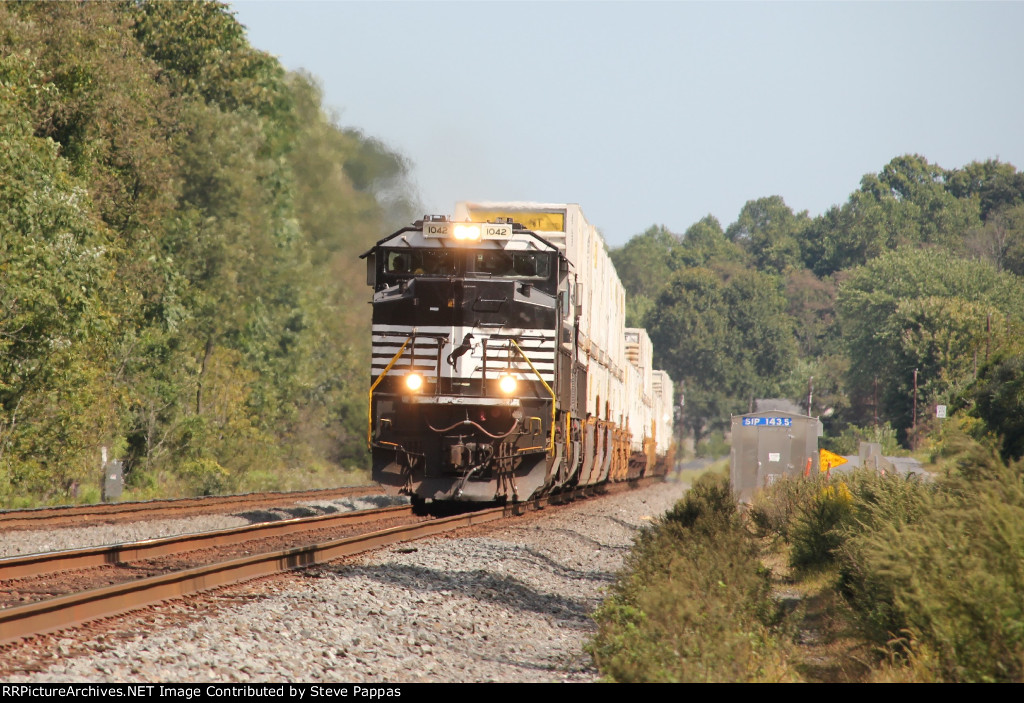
{"x": 768, "y": 421}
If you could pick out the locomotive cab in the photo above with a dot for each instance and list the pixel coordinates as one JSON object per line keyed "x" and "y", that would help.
{"x": 500, "y": 367}
{"x": 462, "y": 405}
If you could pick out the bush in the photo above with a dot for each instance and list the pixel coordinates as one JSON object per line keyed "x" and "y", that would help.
{"x": 817, "y": 530}
{"x": 712, "y": 447}
{"x": 774, "y": 510}
{"x": 205, "y": 476}
{"x": 848, "y": 442}
{"x": 938, "y": 571}
{"x": 692, "y": 603}
{"x": 710, "y": 500}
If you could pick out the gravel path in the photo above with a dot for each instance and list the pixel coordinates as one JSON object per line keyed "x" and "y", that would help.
{"x": 35, "y": 541}
{"x": 510, "y": 603}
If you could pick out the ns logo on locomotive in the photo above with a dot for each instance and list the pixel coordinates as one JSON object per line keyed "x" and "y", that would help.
{"x": 502, "y": 369}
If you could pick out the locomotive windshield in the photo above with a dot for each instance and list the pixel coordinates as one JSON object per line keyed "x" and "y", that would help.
{"x": 421, "y": 262}
{"x": 496, "y": 263}
{"x": 511, "y": 264}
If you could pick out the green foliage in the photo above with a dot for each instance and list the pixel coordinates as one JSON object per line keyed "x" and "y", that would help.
{"x": 776, "y": 508}
{"x": 919, "y": 269}
{"x": 714, "y": 446}
{"x": 724, "y": 333}
{"x": 886, "y": 504}
{"x": 1000, "y": 241}
{"x": 202, "y": 50}
{"x": 907, "y": 204}
{"x": 996, "y": 185}
{"x": 921, "y": 309}
{"x": 943, "y": 569}
{"x": 54, "y": 320}
{"x": 848, "y": 443}
{"x": 816, "y": 531}
{"x": 648, "y": 261}
{"x": 932, "y": 571}
{"x": 812, "y": 305}
{"x": 693, "y": 602}
{"x": 769, "y": 231}
{"x": 825, "y": 374}
{"x": 709, "y": 502}
{"x": 206, "y": 476}
{"x": 645, "y": 262}
{"x": 998, "y": 400}
{"x": 179, "y": 224}
{"x": 704, "y": 243}
{"x": 875, "y": 287}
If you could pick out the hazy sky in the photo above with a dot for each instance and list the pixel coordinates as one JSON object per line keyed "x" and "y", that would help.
{"x": 660, "y": 112}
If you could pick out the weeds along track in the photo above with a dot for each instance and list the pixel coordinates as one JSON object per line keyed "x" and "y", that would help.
{"x": 80, "y": 515}
{"x": 44, "y": 593}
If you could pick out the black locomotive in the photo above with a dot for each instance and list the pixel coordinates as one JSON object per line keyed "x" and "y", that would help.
{"x": 478, "y": 386}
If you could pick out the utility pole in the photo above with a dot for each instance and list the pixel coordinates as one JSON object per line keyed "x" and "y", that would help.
{"x": 988, "y": 336}
{"x": 913, "y": 429}
{"x": 876, "y": 402}
{"x": 810, "y": 394}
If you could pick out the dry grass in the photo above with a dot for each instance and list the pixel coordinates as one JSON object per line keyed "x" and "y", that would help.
{"x": 826, "y": 648}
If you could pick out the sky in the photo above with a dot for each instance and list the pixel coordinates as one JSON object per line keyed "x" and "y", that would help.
{"x": 662, "y": 113}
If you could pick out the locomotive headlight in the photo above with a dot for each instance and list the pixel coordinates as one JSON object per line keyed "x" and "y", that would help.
{"x": 413, "y": 381}
{"x": 507, "y": 384}
{"x": 471, "y": 232}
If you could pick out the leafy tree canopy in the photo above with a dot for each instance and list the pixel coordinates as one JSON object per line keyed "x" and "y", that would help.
{"x": 722, "y": 332}
{"x": 771, "y": 233}
{"x": 179, "y": 222}
{"x": 926, "y": 310}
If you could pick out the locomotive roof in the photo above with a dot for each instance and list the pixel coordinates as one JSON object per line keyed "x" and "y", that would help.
{"x": 412, "y": 237}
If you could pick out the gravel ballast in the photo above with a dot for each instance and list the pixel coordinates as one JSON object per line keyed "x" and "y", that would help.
{"x": 21, "y": 542}
{"x": 510, "y": 604}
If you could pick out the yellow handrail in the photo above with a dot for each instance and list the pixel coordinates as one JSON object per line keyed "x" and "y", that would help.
{"x": 369, "y": 411}
{"x": 554, "y": 399}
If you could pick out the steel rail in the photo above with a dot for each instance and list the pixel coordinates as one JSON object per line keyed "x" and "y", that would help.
{"x": 26, "y": 565}
{"x": 63, "y": 612}
{"x": 13, "y": 518}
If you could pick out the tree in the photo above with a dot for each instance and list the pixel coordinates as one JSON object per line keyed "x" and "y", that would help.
{"x": 811, "y": 304}
{"x": 997, "y": 186}
{"x": 704, "y": 243}
{"x": 1000, "y": 241}
{"x": 644, "y": 263}
{"x": 906, "y": 204}
{"x": 926, "y": 310}
{"x": 55, "y": 276}
{"x": 941, "y": 217}
{"x": 181, "y": 224}
{"x": 771, "y": 233}
{"x": 998, "y": 399}
{"x": 724, "y": 333}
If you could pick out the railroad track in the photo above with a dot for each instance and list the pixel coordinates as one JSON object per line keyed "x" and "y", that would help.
{"x": 79, "y": 515}
{"x": 35, "y": 565}
{"x": 72, "y": 609}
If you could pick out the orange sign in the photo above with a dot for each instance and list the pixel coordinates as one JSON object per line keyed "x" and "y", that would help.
{"x": 827, "y": 460}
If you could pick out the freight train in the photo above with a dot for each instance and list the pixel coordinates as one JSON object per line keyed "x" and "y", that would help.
{"x": 501, "y": 366}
